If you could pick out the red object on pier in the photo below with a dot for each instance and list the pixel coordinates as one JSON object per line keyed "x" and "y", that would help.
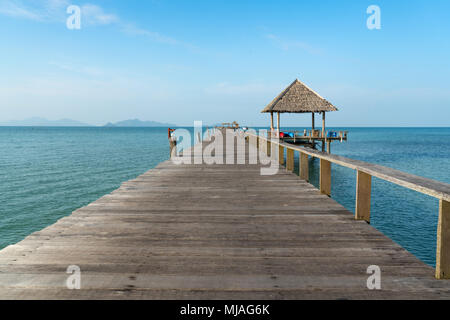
{"x": 170, "y": 132}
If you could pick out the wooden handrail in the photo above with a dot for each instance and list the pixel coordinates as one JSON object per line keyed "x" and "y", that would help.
{"x": 365, "y": 172}
{"x": 427, "y": 186}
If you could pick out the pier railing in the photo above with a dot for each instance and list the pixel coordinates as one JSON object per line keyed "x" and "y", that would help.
{"x": 364, "y": 173}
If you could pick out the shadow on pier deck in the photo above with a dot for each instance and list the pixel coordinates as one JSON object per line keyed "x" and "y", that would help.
{"x": 213, "y": 232}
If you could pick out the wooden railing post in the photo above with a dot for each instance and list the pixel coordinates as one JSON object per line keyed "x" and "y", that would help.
{"x": 281, "y": 154}
{"x": 325, "y": 177}
{"x": 443, "y": 241}
{"x": 363, "y": 195}
{"x": 290, "y": 159}
{"x": 304, "y": 166}
{"x": 269, "y": 148}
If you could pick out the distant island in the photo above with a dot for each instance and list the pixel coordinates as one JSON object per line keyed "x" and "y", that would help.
{"x": 41, "y": 122}
{"x": 138, "y": 123}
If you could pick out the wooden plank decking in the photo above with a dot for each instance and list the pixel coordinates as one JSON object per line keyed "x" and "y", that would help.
{"x": 213, "y": 232}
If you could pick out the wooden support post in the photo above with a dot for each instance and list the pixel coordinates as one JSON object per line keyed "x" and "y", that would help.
{"x": 304, "y": 166}
{"x": 363, "y": 195}
{"x": 325, "y": 177}
{"x": 281, "y": 155}
{"x": 323, "y": 124}
{"x": 269, "y": 148}
{"x": 329, "y": 146}
{"x": 443, "y": 241}
{"x": 313, "y": 122}
{"x": 278, "y": 124}
{"x": 271, "y": 122}
{"x": 290, "y": 159}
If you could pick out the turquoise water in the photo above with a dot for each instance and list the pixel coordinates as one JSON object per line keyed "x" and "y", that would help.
{"x": 46, "y": 173}
{"x": 407, "y": 217}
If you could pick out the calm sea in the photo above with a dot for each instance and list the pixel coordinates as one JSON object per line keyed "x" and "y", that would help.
{"x": 46, "y": 173}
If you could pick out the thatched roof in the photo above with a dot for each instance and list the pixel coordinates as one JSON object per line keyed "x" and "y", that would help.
{"x": 298, "y": 98}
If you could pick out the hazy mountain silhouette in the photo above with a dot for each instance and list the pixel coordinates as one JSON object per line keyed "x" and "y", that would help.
{"x": 138, "y": 123}
{"x": 41, "y": 122}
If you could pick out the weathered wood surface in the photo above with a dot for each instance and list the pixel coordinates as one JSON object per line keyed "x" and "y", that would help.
{"x": 213, "y": 232}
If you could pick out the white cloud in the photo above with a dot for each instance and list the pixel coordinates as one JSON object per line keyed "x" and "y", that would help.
{"x": 37, "y": 10}
{"x": 95, "y": 15}
{"x": 84, "y": 70}
{"x": 17, "y": 10}
{"x": 225, "y": 88}
{"x": 343, "y": 90}
{"x": 133, "y": 30}
{"x": 55, "y": 10}
{"x": 91, "y": 15}
{"x": 293, "y": 44}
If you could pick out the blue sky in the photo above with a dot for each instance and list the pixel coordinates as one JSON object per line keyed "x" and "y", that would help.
{"x": 180, "y": 61}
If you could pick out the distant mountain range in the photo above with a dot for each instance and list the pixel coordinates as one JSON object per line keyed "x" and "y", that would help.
{"x": 41, "y": 122}
{"x": 138, "y": 123}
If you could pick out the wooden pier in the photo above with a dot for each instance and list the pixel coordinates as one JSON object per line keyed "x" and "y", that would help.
{"x": 197, "y": 231}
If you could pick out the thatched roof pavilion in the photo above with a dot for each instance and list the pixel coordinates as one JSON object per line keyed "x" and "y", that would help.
{"x": 299, "y": 98}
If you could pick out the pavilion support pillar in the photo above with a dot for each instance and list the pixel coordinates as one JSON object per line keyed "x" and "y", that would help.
{"x": 271, "y": 122}
{"x": 313, "y": 126}
{"x": 323, "y": 132}
{"x": 278, "y": 124}
{"x": 323, "y": 124}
